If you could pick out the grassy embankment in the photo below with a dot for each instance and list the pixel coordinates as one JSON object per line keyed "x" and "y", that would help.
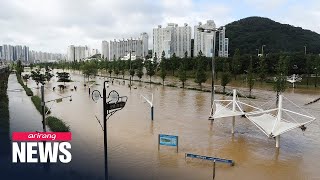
{"x": 54, "y": 123}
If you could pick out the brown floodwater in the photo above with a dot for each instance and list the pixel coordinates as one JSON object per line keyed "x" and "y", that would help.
{"x": 133, "y": 137}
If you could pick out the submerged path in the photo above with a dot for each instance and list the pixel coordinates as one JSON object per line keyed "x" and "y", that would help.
{"x": 23, "y": 114}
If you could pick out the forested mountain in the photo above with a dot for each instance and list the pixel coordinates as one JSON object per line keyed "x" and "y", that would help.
{"x": 251, "y": 33}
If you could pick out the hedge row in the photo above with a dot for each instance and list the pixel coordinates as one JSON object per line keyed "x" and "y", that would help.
{"x": 28, "y": 90}
{"x": 37, "y": 103}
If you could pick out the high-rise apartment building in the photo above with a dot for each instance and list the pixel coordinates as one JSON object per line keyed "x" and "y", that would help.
{"x": 105, "y": 50}
{"x": 203, "y": 41}
{"x": 138, "y": 47}
{"x": 223, "y": 43}
{"x": 78, "y": 53}
{"x": 172, "y": 40}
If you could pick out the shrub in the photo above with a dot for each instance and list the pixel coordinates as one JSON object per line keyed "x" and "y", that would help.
{"x": 57, "y": 125}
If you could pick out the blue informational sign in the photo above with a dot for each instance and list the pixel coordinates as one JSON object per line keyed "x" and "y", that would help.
{"x": 168, "y": 140}
{"x": 228, "y": 161}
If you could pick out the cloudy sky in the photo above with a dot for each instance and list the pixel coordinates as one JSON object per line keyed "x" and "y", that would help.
{"x": 52, "y": 25}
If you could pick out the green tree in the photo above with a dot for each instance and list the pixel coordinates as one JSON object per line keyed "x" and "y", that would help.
{"x": 163, "y": 67}
{"x": 31, "y": 66}
{"x": 201, "y": 75}
{"x": 38, "y": 77}
{"x": 316, "y": 69}
{"x": 308, "y": 68}
{"x": 63, "y": 77}
{"x": 281, "y": 77}
{"x": 151, "y": 68}
{"x": 122, "y": 67}
{"x": 250, "y": 77}
{"x": 139, "y": 66}
{"x": 90, "y": 68}
{"x": 116, "y": 67}
{"x": 262, "y": 69}
{"x": 182, "y": 70}
{"x": 225, "y": 76}
{"x": 174, "y": 63}
{"x": 236, "y": 66}
{"x": 19, "y": 68}
{"x": 140, "y": 73}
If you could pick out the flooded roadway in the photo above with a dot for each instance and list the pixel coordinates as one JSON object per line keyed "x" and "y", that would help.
{"x": 132, "y": 136}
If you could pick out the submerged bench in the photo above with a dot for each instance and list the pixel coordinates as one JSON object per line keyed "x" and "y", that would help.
{"x": 227, "y": 161}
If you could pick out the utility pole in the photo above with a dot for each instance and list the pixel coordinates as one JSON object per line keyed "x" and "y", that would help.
{"x": 262, "y": 49}
{"x": 214, "y": 30}
{"x": 305, "y": 50}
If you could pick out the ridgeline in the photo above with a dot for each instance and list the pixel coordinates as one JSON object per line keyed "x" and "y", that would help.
{"x": 251, "y": 33}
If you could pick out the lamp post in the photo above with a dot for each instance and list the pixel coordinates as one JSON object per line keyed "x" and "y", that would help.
{"x": 114, "y": 104}
{"x": 316, "y": 80}
{"x": 262, "y": 49}
{"x": 104, "y": 97}
{"x": 43, "y": 107}
{"x": 305, "y": 50}
{"x": 214, "y": 30}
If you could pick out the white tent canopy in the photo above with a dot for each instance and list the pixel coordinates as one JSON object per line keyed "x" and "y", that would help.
{"x": 272, "y": 122}
{"x": 229, "y": 108}
{"x": 273, "y": 125}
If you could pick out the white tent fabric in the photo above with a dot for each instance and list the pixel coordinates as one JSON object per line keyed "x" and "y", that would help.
{"x": 224, "y": 111}
{"x": 270, "y": 125}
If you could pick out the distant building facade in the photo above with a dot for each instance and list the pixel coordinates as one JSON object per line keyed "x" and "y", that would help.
{"x": 78, "y": 53}
{"x": 223, "y": 43}
{"x": 105, "y": 50}
{"x": 138, "y": 47}
{"x": 172, "y": 39}
{"x": 203, "y": 41}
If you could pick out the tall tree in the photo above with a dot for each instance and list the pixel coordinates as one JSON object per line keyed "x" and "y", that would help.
{"x": 281, "y": 76}
{"x": 250, "y": 77}
{"x": 182, "y": 70}
{"x": 139, "y": 66}
{"x": 151, "y": 68}
{"x": 174, "y": 63}
{"x": 201, "y": 75}
{"x": 163, "y": 67}
{"x": 90, "y": 68}
{"x": 19, "y": 68}
{"x": 308, "y": 68}
{"x": 225, "y": 75}
{"x": 236, "y": 66}
{"x": 262, "y": 69}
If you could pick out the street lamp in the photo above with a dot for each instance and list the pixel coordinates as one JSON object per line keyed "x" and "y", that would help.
{"x": 130, "y": 67}
{"x": 214, "y": 30}
{"x": 114, "y": 104}
{"x": 262, "y": 49}
{"x": 43, "y": 107}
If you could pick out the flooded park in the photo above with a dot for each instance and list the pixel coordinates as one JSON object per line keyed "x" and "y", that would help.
{"x": 133, "y": 136}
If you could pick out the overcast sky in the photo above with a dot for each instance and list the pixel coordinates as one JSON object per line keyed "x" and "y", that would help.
{"x": 52, "y": 25}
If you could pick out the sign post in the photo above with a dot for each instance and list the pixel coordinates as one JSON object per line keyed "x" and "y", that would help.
{"x": 168, "y": 140}
{"x": 114, "y": 104}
